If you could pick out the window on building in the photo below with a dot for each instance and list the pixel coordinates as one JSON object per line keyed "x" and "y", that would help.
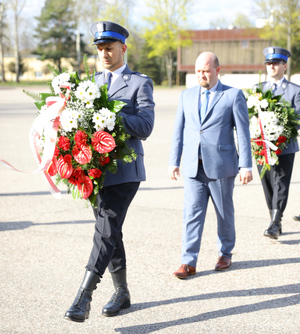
{"x": 38, "y": 74}
{"x": 245, "y": 44}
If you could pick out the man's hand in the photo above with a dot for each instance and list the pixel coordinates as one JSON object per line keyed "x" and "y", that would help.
{"x": 245, "y": 176}
{"x": 173, "y": 172}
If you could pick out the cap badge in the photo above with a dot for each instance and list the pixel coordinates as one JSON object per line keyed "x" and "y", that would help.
{"x": 100, "y": 26}
{"x": 271, "y": 50}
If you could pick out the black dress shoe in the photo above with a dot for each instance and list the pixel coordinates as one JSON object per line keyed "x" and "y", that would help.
{"x": 275, "y": 228}
{"x": 121, "y": 298}
{"x": 80, "y": 309}
{"x": 119, "y": 301}
{"x": 296, "y": 218}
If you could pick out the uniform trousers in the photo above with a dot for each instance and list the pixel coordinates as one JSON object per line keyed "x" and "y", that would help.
{"x": 196, "y": 195}
{"x": 108, "y": 248}
{"x": 276, "y": 182}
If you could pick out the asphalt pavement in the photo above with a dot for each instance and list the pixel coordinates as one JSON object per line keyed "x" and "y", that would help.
{"x": 45, "y": 244}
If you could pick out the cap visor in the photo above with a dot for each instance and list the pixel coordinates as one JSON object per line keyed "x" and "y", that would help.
{"x": 108, "y": 40}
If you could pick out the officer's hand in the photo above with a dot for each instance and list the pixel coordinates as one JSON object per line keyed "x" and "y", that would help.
{"x": 173, "y": 172}
{"x": 245, "y": 176}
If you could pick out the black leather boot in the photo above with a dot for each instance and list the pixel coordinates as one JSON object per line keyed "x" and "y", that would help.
{"x": 121, "y": 298}
{"x": 80, "y": 309}
{"x": 275, "y": 228}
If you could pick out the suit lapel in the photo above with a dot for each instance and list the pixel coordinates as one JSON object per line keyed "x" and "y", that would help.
{"x": 196, "y": 102}
{"x": 100, "y": 79}
{"x": 281, "y": 90}
{"x": 266, "y": 86}
{"x": 121, "y": 82}
{"x": 215, "y": 99}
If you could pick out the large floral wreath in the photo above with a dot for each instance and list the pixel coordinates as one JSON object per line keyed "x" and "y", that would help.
{"x": 273, "y": 124}
{"x": 86, "y": 133}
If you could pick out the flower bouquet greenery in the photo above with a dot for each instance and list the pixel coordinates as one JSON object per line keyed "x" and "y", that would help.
{"x": 89, "y": 134}
{"x": 273, "y": 124}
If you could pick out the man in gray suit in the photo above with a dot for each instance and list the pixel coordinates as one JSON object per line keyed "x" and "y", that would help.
{"x": 276, "y": 182}
{"x": 204, "y": 136}
{"x": 119, "y": 189}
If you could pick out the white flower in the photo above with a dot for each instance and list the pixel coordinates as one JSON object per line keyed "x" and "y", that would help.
{"x": 69, "y": 119}
{"x": 252, "y": 101}
{"x": 79, "y": 93}
{"x": 89, "y": 104}
{"x": 110, "y": 124}
{"x": 268, "y": 118}
{"x": 99, "y": 127}
{"x": 254, "y": 128}
{"x": 58, "y": 80}
{"x": 87, "y": 91}
{"x": 68, "y": 124}
{"x": 264, "y": 103}
{"x": 104, "y": 118}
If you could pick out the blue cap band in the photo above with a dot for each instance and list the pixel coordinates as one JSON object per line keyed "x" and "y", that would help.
{"x": 109, "y": 34}
{"x": 271, "y": 56}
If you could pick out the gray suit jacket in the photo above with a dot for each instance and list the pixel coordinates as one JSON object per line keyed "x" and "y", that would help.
{"x": 227, "y": 110}
{"x": 290, "y": 92}
{"x": 136, "y": 90}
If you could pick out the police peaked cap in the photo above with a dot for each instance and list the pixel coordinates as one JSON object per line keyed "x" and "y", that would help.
{"x": 275, "y": 53}
{"x": 108, "y": 32}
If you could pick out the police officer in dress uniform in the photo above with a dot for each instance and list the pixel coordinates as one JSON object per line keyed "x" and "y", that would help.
{"x": 119, "y": 189}
{"x": 276, "y": 182}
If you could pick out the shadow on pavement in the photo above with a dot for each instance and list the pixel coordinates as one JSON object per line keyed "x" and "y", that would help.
{"x": 255, "y": 307}
{"x": 12, "y": 226}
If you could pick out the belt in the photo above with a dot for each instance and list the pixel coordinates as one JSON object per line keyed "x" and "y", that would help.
{"x": 200, "y": 161}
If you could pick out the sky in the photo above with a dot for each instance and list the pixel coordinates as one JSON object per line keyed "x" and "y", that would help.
{"x": 203, "y": 11}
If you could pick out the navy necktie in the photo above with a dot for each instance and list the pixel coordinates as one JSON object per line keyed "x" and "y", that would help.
{"x": 204, "y": 105}
{"x": 108, "y": 79}
{"x": 274, "y": 87}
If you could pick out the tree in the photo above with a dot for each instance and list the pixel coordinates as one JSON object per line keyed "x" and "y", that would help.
{"x": 151, "y": 67}
{"x": 167, "y": 22}
{"x": 22, "y": 68}
{"x": 240, "y": 21}
{"x": 2, "y": 26}
{"x": 85, "y": 12}
{"x": 56, "y": 31}
{"x": 17, "y": 7}
{"x": 282, "y": 25}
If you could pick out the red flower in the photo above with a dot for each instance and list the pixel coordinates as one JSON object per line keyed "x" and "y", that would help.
{"x": 82, "y": 153}
{"x": 278, "y": 151}
{"x": 85, "y": 188}
{"x": 95, "y": 173}
{"x": 56, "y": 152}
{"x": 259, "y": 143}
{"x": 281, "y": 139}
{"x": 73, "y": 181}
{"x": 103, "y": 142}
{"x": 104, "y": 160}
{"x": 80, "y": 137}
{"x": 263, "y": 152}
{"x": 65, "y": 168}
{"x": 78, "y": 174}
{"x": 52, "y": 169}
{"x": 64, "y": 143}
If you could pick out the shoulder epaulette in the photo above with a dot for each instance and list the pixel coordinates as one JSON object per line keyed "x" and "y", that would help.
{"x": 140, "y": 74}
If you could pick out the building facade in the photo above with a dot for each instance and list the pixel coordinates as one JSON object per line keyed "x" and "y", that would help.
{"x": 239, "y": 50}
{"x": 36, "y": 69}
